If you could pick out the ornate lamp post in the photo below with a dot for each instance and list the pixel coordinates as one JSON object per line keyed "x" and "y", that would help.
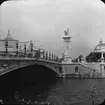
{"x": 52, "y": 56}
{"x": 57, "y": 58}
{"x": 6, "y": 46}
{"x": 43, "y": 54}
{"x": 46, "y": 55}
{"x": 49, "y": 56}
{"x": 39, "y": 52}
{"x": 25, "y": 49}
{"x": 17, "y": 46}
{"x": 31, "y": 44}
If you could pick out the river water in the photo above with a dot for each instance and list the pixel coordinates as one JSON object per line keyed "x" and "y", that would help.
{"x": 66, "y": 91}
{"x": 43, "y": 86}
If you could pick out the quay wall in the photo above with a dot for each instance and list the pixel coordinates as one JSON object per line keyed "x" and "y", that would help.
{"x": 87, "y": 70}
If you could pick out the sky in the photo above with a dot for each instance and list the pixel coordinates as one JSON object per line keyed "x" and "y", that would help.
{"x": 44, "y": 21}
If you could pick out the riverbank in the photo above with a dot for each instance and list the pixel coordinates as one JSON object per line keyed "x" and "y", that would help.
{"x": 83, "y": 70}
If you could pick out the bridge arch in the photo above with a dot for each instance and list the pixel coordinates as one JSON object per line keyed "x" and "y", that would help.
{"x": 46, "y": 65}
{"x": 24, "y": 77}
{"x": 18, "y": 64}
{"x": 26, "y": 64}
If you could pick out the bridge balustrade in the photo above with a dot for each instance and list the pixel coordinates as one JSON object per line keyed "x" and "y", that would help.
{"x": 12, "y": 57}
{"x": 30, "y": 58}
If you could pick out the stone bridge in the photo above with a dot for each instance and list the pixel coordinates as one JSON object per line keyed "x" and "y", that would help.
{"x": 9, "y": 64}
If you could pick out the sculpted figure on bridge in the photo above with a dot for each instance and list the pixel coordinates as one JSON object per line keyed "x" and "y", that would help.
{"x": 66, "y": 38}
{"x": 66, "y": 31}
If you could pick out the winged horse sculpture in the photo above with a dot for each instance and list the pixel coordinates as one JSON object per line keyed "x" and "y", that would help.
{"x": 66, "y": 31}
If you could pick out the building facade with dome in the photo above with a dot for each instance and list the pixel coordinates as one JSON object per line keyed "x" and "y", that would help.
{"x": 8, "y": 42}
{"x": 11, "y": 46}
{"x": 98, "y": 54}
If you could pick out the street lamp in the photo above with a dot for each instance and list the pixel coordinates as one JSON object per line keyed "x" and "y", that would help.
{"x": 39, "y": 52}
{"x": 46, "y": 55}
{"x": 31, "y": 44}
{"x": 24, "y": 49}
{"x": 49, "y": 56}
{"x": 43, "y": 54}
{"x": 17, "y": 46}
{"x": 52, "y": 56}
{"x": 6, "y": 46}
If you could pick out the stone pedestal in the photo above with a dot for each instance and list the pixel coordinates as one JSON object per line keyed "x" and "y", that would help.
{"x": 102, "y": 69}
{"x": 63, "y": 72}
{"x": 102, "y": 66}
{"x": 68, "y": 60}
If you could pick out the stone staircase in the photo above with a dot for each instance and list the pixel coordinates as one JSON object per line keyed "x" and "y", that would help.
{"x": 92, "y": 66}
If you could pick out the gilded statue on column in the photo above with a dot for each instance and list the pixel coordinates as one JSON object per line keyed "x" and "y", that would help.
{"x": 66, "y": 31}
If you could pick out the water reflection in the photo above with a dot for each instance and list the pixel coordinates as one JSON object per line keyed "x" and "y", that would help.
{"x": 63, "y": 91}
{"x": 66, "y": 91}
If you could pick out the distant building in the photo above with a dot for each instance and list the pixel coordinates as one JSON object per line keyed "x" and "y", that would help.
{"x": 100, "y": 47}
{"x": 28, "y": 47}
{"x": 25, "y": 45}
{"x": 14, "y": 46}
{"x": 98, "y": 54}
{"x": 11, "y": 47}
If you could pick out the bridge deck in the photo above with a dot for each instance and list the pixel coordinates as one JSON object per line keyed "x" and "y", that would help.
{"x": 23, "y": 61}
